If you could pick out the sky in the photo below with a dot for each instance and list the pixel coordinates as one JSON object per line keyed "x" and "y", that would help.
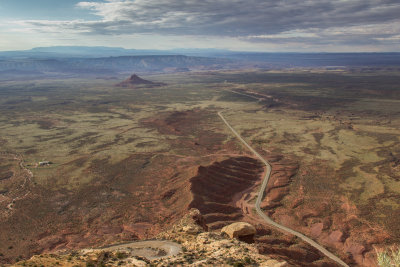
{"x": 241, "y": 25}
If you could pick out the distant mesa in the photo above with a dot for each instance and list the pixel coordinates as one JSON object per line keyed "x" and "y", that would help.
{"x": 135, "y": 81}
{"x": 175, "y": 69}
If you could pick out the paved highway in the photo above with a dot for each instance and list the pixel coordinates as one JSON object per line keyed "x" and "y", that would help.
{"x": 261, "y": 196}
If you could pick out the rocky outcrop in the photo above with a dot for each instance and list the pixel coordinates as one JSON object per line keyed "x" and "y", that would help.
{"x": 239, "y": 229}
{"x": 197, "y": 218}
{"x": 199, "y": 248}
{"x": 135, "y": 81}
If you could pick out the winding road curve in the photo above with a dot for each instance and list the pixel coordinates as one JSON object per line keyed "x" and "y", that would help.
{"x": 261, "y": 195}
{"x": 149, "y": 248}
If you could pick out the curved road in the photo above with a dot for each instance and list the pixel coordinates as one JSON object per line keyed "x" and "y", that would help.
{"x": 261, "y": 195}
{"x": 149, "y": 248}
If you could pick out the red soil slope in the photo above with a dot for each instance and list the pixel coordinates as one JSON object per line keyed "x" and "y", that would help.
{"x": 214, "y": 186}
{"x": 316, "y": 211}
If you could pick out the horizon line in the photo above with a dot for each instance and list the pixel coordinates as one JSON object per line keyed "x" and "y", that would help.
{"x": 201, "y": 49}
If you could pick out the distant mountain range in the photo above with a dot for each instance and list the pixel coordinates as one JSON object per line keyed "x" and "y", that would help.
{"x": 82, "y": 61}
{"x": 101, "y": 51}
{"x": 109, "y": 65}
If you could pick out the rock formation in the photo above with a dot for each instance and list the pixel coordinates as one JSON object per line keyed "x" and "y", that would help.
{"x": 239, "y": 229}
{"x": 135, "y": 81}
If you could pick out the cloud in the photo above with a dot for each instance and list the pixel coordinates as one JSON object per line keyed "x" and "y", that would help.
{"x": 356, "y": 35}
{"x": 238, "y": 18}
{"x": 268, "y": 21}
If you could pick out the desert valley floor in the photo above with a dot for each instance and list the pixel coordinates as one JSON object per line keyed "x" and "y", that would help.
{"x": 128, "y": 162}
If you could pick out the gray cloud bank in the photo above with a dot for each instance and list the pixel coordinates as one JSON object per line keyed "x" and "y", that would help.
{"x": 316, "y": 22}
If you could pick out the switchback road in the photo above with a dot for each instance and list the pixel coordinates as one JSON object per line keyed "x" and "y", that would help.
{"x": 261, "y": 196}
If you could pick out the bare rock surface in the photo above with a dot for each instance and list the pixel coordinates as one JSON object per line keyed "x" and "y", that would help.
{"x": 239, "y": 229}
{"x": 185, "y": 244}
